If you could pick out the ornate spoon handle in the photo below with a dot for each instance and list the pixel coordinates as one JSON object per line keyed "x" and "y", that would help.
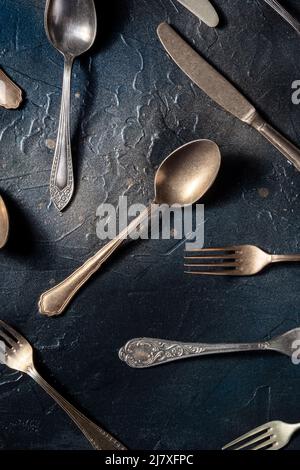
{"x": 98, "y": 438}
{"x": 148, "y": 352}
{"x": 62, "y": 178}
{"x": 55, "y": 300}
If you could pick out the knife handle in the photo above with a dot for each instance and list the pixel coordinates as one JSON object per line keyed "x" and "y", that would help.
{"x": 289, "y": 150}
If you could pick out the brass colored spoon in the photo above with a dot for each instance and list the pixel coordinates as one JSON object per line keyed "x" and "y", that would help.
{"x": 4, "y": 223}
{"x": 182, "y": 179}
{"x": 10, "y": 93}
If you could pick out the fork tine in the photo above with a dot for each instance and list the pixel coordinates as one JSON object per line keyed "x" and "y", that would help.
{"x": 252, "y": 433}
{"x": 230, "y": 272}
{"x": 211, "y": 257}
{"x": 212, "y": 265}
{"x": 7, "y": 339}
{"x": 11, "y": 331}
{"x": 265, "y": 444}
{"x": 260, "y": 438}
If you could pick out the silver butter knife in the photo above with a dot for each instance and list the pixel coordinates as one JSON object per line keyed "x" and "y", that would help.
{"x": 203, "y": 9}
{"x": 221, "y": 91}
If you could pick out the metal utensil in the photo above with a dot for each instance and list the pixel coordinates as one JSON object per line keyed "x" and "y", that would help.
{"x": 240, "y": 260}
{"x": 4, "y": 223}
{"x": 71, "y": 28}
{"x": 148, "y": 352}
{"x": 285, "y": 14}
{"x": 16, "y": 353}
{"x": 270, "y": 436}
{"x": 203, "y": 9}
{"x": 182, "y": 178}
{"x": 221, "y": 91}
{"x": 10, "y": 93}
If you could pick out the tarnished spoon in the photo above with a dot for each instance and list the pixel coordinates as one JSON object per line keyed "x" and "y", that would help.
{"x": 182, "y": 179}
{"x": 4, "y": 223}
{"x": 71, "y": 27}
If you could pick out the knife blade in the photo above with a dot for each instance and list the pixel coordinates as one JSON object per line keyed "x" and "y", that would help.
{"x": 220, "y": 90}
{"x": 203, "y": 9}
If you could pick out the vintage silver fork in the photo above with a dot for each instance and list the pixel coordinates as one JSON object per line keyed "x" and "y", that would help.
{"x": 239, "y": 260}
{"x": 270, "y": 436}
{"x": 149, "y": 352}
{"x": 16, "y": 353}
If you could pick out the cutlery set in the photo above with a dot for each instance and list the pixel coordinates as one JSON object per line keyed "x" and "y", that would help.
{"x": 182, "y": 179}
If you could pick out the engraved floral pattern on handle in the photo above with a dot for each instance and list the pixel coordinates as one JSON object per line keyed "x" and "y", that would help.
{"x": 147, "y": 352}
{"x": 62, "y": 177}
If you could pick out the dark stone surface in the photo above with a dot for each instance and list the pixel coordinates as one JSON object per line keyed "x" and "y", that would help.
{"x": 134, "y": 107}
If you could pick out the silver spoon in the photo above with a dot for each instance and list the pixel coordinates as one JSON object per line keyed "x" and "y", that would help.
{"x": 182, "y": 179}
{"x": 71, "y": 27}
{"x": 4, "y": 223}
{"x": 147, "y": 352}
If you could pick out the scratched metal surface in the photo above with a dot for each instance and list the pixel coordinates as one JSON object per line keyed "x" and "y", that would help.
{"x": 131, "y": 106}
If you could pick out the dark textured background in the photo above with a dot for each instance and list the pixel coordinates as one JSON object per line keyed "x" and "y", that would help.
{"x": 131, "y": 106}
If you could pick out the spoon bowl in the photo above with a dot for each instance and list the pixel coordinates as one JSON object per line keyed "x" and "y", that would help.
{"x": 187, "y": 173}
{"x": 4, "y": 223}
{"x": 72, "y": 31}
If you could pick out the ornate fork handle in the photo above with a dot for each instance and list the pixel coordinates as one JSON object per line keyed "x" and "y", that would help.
{"x": 285, "y": 14}
{"x": 99, "y": 438}
{"x": 148, "y": 352}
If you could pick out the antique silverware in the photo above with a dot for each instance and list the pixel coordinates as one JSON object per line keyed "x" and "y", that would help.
{"x": 10, "y": 93}
{"x": 16, "y": 353}
{"x": 148, "y": 352}
{"x": 71, "y": 28}
{"x": 270, "y": 436}
{"x": 4, "y": 223}
{"x": 182, "y": 178}
{"x": 221, "y": 91}
{"x": 284, "y": 13}
{"x": 240, "y": 260}
{"x": 203, "y": 9}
